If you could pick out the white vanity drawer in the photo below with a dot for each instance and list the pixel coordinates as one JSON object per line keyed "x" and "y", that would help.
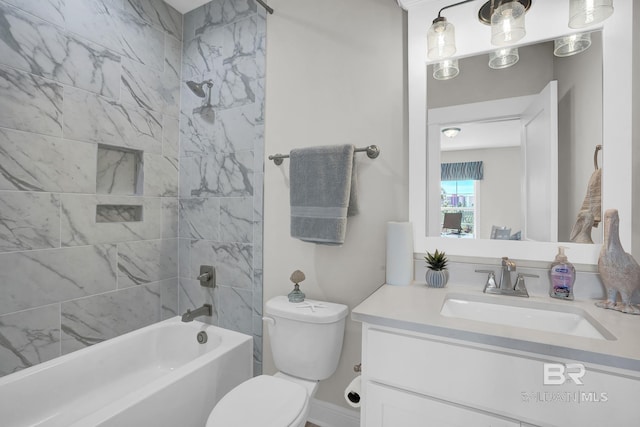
{"x": 450, "y": 372}
{"x": 389, "y": 407}
{"x": 492, "y": 380}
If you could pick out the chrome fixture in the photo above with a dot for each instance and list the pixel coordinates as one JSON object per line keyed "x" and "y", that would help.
{"x": 584, "y": 13}
{"x": 451, "y": 132}
{"x": 207, "y": 276}
{"x": 202, "y": 337}
{"x": 205, "y": 310}
{"x": 506, "y": 286}
{"x": 206, "y": 110}
{"x": 372, "y": 152}
{"x": 507, "y": 20}
{"x": 505, "y": 275}
{"x": 198, "y": 88}
{"x": 263, "y": 4}
{"x": 503, "y": 58}
{"x": 571, "y": 45}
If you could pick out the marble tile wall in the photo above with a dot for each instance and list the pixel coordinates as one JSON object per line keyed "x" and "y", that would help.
{"x": 75, "y": 74}
{"x": 221, "y": 163}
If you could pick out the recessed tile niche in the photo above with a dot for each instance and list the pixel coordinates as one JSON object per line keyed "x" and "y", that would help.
{"x": 118, "y": 213}
{"x": 119, "y": 172}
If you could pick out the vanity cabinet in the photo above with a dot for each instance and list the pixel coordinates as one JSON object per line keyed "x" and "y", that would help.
{"x": 391, "y": 407}
{"x": 415, "y": 379}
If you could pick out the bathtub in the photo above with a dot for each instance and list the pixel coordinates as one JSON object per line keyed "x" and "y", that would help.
{"x": 156, "y": 376}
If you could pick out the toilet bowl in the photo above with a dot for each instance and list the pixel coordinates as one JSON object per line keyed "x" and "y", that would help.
{"x": 265, "y": 401}
{"x": 306, "y": 342}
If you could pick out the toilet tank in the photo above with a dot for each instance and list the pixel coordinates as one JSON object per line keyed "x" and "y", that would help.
{"x": 306, "y": 337}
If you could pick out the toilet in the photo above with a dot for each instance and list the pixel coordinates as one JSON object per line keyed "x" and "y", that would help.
{"x": 306, "y": 342}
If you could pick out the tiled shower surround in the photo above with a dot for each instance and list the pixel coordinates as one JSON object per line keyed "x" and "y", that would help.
{"x": 83, "y": 80}
{"x": 222, "y": 172}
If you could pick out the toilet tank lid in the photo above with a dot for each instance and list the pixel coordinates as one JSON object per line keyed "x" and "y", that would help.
{"x": 310, "y": 311}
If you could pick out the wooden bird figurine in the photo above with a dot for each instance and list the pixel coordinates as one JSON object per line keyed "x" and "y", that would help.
{"x": 620, "y": 273}
{"x": 581, "y": 232}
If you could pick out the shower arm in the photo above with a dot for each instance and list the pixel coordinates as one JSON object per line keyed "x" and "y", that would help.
{"x": 209, "y": 85}
{"x": 266, "y": 6}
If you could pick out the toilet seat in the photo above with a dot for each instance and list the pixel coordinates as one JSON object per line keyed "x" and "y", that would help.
{"x": 264, "y": 401}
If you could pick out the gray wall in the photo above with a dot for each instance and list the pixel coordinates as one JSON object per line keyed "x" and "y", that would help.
{"x": 477, "y": 82}
{"x": 221, "y": 179}
{"x": 579, "y": 98}
{"x": 496, "y": 204}
{"x": 73, "y": 75}
{"x": 336, "y": 75}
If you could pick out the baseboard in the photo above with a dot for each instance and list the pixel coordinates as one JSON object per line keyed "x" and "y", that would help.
{"x": 325, "y": 414}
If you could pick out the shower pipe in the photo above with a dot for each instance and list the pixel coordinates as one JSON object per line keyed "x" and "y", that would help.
{"x": 266, "y": 6}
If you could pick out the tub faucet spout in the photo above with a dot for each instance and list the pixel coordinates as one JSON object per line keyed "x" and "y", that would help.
{"x": 205, "y": 310}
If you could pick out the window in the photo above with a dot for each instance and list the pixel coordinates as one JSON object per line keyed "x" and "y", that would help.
{"x": 459, "y": 193}
{"x": 460, "y": 196}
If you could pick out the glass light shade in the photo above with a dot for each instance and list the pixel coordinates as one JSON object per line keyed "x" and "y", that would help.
{"x": 571, "y": 45}
{"x": 507, "y": 24}
{"x": 441, "y": 40}
{"x": 583, "y": 13}
{"x": 503, "y": 58}
{"x": 451, "y": 132}
{"x": 446, "y": 69}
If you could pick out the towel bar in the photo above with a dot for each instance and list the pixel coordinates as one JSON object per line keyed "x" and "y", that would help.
{"x": 372, "y": 152}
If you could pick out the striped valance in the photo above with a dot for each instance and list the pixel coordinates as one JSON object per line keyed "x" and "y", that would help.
{"x": 461, "y": 171}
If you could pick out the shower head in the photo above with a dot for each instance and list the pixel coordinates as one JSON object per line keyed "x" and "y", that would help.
{"x": 197, "y": 88}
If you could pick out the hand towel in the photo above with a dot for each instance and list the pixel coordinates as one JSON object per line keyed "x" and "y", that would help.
{"x": 322, "y": 193}
{"x": 593, "y": 199}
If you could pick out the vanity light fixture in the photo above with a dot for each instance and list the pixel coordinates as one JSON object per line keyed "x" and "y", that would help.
{"x": 571, "y": 45}
{"x": 507, "y": 23}
{"x": 446, "y": 70}
{"x": 506, "y": 18}
{"x": 441, "y": 39}
{"x": 451, "y": 132}
{"x": 583, "y": 13}
{"x": 503, "y": 58}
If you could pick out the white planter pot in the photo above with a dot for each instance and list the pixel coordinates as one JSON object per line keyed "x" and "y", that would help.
{"x": 437, "y": 279}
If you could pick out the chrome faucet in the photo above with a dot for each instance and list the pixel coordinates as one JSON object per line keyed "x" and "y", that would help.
{"x": 506, "y": 286}
{"x": 205, "y": 310}
{"x": 505, "y": 276}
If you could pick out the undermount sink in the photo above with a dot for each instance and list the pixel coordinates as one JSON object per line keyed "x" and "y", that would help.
{"x": 524, "y": 314}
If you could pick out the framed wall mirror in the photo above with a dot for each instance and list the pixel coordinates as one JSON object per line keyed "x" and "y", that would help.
{"x": 497, "y": 172}
{"x": 545, "y": 21}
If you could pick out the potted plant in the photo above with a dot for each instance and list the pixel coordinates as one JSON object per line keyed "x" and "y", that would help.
{"x": 437, "y": 273}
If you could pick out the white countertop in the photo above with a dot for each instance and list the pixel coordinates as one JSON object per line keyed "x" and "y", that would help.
{"x": 417, "y": 308}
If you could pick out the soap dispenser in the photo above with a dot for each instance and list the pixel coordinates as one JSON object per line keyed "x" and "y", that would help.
{"x": 562, "y": 275}
{"x": 296, "y": 295}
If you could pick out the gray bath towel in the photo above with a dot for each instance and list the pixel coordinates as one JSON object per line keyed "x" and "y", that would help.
{"x": 323, "y": 193}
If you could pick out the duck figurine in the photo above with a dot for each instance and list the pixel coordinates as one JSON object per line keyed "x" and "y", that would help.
{"x": 581, "y": 232}
{"x": 620, "y": 273}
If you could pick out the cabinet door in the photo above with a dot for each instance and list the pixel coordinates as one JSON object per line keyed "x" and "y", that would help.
{"x": 389, "y": 407}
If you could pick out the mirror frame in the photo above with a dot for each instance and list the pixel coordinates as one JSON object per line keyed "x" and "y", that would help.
{"x": 546, "y": 20}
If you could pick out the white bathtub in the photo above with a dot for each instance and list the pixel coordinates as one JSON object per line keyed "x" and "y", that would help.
{"x": 155, "y": 376}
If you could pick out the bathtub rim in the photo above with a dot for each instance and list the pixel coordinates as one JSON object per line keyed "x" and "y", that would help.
{"x": 230, "y": 340}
